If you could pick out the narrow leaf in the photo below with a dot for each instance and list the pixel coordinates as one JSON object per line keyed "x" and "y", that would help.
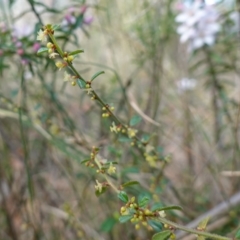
{"x": 143, "y": 201}
{"x": 124, "y": 218}
{"x": 127, "y": 184}
{"x": 97, "y": 193}
{"x": 81, "y": 83}
{"x": 157, "y": 226}
{"x": 124, "y": 139}
{"x": 108, "y": 224}
{"x": 55, "y": 27}
{"x": 84, "y": 161}
{"x": 135, "y": 120}
{"x": 123, "y": 196}
{"x": 164, "y": 235}
{"x": 156, "y": 206}
{"x": 145, "y": 138}
{"x": 76, "y": 52}
{"x": 203, "y": 224}
{"x": 168, "y": 208}
{"x": 42, "y": 50}
{"x": 97, "y": 74}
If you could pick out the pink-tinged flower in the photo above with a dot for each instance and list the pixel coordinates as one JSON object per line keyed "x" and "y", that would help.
{"x": 24, "y": 61}
{"x": 83, "y": 9}
{"x": 14, "y": 39}
{"x": 199, "y": 25}
{"x": 88, "y": 20}
{"x": 1, "y": 52}
{"x": 36, "y": 46}
{"x": 70, "y": 19}
{"x": 71, "y": 10}
{"x": 20, "y": 51}
{"x": 73, "y": 13}
{"x": 18, "y": 44}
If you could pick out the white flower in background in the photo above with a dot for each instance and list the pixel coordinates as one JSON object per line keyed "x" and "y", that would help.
{"x": 190, "y": 14}
{"x": 198, "y": 25}
{"x": 186, "y": 84}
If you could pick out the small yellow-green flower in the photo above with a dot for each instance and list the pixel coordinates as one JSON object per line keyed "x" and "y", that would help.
{"x": 42, "y": 36}
{"x": 49, "y": 45}
{"x": 60, "y": 65}
{"x": 132, "y": 132}
{"x": 99, "y": 186}
{"x": 149, "y": 148}
{"x": 151, "y": 159}
{"x": 70, "y": 58}
{"x": 162, "y": 214}
{"x": 114, "y": 128}
{"x": 53, "y": 55}
{"x": 111, "y": 169}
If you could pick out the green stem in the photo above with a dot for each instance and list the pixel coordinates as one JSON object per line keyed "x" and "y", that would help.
{"x": 193, "y": 231}
{"x": 96, "y": 97}
{"x": 59, "y": 50}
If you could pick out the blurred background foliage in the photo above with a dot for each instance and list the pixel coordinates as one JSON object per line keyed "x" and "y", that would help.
{"x": 187, "y": 99}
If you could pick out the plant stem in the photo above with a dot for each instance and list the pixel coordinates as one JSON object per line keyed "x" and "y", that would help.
{"x": 215, "y": 104}
{"x": 193, "y": 231}
{"x": 95, "y": 95}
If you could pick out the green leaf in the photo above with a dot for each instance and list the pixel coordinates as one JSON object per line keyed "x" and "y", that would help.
{"x": 160, "y": 150}
{"x": 167, "y": 208}
{"x": 143, "y": 201}
{"x": 97, "y": 74}
{"x": 145, "y": 138}
{"x": 81, "y": 83}
{"x": 97, "y": 193}
{"x": 130, "y": 170}
{"x": 123, "y": 196}
{"x": 164, "y": 235}
{"x": 237, "y": 236}
{"x": 108, "y": 224}
{"x": 157, "y": 226}
{"x": 55, "y": 27}
{"x": 203, "y": 224}
{"x": 127, "y": 184}
{"x": 135, "y": 120}
{"x": 76, "y": 52}
{"x": 78, "y": 22}
{"x": 42, "y": 50}
{"x": 124, "y": 139}
{"x": 109, "y": 163}
{"x": 156, "y": 206}
{"x": 124, "y": 218}
{"x": 84, "y": 161}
